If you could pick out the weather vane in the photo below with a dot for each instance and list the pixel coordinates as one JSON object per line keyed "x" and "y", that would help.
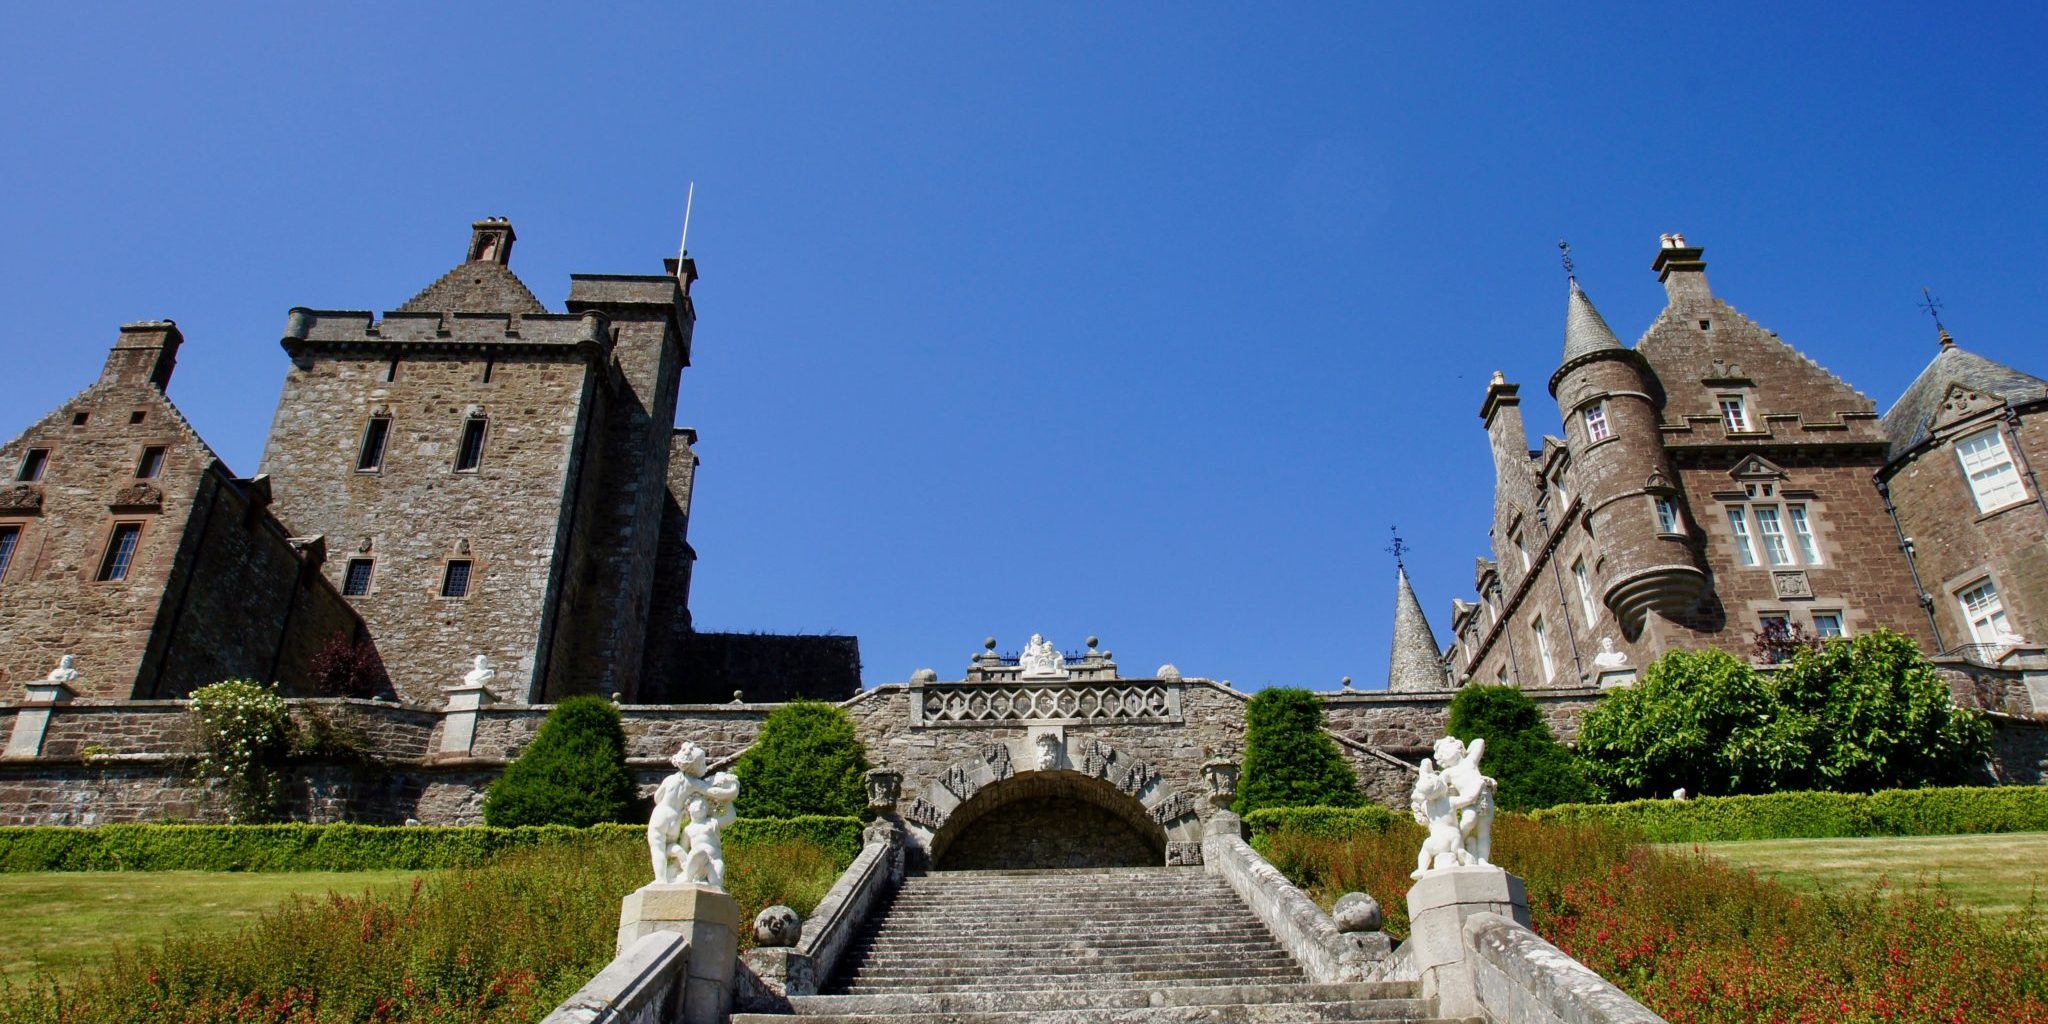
{"x": 1398, "y": 547}
{"x": 1933, "y": 307}
{"x": 1565, "y": 248}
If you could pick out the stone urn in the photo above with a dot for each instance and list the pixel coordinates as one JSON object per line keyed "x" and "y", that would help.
{"x": 1221, "y": 775}
{"x": 884, "y": 789}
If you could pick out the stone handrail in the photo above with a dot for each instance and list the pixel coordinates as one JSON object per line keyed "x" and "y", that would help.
{"x": 1304, "y": 930}
{"x": 643, "y": 985}
{"x": 768, "y": 976}
{"x": 1519, "y": 977}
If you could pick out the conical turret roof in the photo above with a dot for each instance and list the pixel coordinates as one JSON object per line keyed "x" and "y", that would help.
{"x": 1586, "y": 333}
{"x": 1417, "y": 662}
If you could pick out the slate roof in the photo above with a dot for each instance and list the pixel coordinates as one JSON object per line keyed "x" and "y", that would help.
{"x": 1417, "y": 662}
{"x": 1586, "y": 333}
{"x": 1910, "y": 421}
{"x": 479, "y": 286}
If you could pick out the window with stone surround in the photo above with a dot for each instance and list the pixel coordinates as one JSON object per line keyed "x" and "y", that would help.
{"x": 1543, "y": 648}
{"x": 33, "y": 462}
{"x": 1596, "y": 422}
{"x": 1584, "y": 578}
{"x": 455, "y": 578}
{"x": 151, "y": 463}
{"x": 1828, "y": 625}
{"x": 10, "y": 538}
{"x": 1667, "y": 516}
{"x": 355, "y": 582}
{"x": 1988, "y": 466}
{"x": 1985, "y": 612}
{"x": 120, "y": 556}
{"x": 1734, "y": 414}
{"x": 469, "y": 455}
{"x": 1521, "y": 549}
{"x": 378, "y": 433}
{"x": 1781, "y": 535}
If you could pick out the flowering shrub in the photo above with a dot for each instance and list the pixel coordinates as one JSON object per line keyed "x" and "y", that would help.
{"x": 244, "y": 735}
{"x": 1701, "y": 942}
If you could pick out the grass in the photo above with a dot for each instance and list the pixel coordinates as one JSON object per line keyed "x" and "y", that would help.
{"x": 1998, "y": 874}
{"x": 58, "y": 921}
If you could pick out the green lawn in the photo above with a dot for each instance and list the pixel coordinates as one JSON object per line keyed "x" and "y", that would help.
{"x": 1995, "y": 873}
{"x": 57, "y": 921}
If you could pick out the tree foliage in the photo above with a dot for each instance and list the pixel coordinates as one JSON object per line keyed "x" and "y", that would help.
{"x": 574, "y": 773}
{"x": 1849, "y": 715}
{"x": 807, "y": 760}
{"x": 1533, "y": 769}
{"x": 1288, "y": 760}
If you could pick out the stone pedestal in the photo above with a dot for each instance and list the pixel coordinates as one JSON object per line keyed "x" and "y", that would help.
{"x": 710, "y": 920}
{"x": 33, "y": 719}
{"x": 1438, "y": 905}
{"x": 458, "y": 718}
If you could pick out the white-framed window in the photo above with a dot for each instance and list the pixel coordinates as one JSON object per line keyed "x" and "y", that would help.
{"x": 1667, "y": 515}
{"x": 1564, "y": 497}
{"x": 1745, "y": 548}
{"x": 1774, "y": 534}
{"x": 1596, "y": 422}
{"x": 1734, "y": 415}
{"x": 1521, "y": 549}
{"x": 1994, "y": 481}
{"x": 1802, "y": 531}
{"x": 1543, "y": 648}
{"x": 1585, "y": 581}
{"x": 1828, "y": 625}
{"x": 1985, "y": 612}
{"x": 1771, "y": 530}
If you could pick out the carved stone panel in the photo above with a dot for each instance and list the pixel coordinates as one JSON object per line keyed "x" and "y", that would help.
{"x": 922, "y": 813}
{"x": 973, "y": 704}
{"x": 1183, "y": 853}
{"x": 138, "y": 495}
{"x": 21, "y": 498}
{"x": 1791, "y": 584}
{"x": 1178, "y": 805}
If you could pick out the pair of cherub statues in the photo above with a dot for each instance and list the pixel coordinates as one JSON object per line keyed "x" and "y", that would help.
{"x": 689, "y": 811}
{"x": 1455, "y": 802}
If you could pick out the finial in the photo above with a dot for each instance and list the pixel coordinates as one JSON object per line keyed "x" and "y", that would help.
{"x": 1564, "y": 248}
{"x": 1933, "y": 308}
{"x": 1398, "y": 547}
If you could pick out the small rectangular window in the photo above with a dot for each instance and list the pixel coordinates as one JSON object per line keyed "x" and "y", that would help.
{"x": 1596, "y": 422}
{"x": 1733, "y": 415}
{"x": 470, "y": 454}
{"x": 356, "y": 581}
{"x": 10, "y": 538}
{"x": 152, "y": 462}
{"x": 1667, "y": 516}
{"x": 374, "y": 437}
{"x": 120, "y": 551}
{"x": 137, "y": 417}
{"x": 1988, "y": 466}
{"x": 79, "y": 419}
{"x": 1585, "y": 581}
{"x": 1802, "y": 531}
{"x": 32, "y": 464}
{"x": 1827, "y": 625}
{"x": 1738, "y": 522}
{"x": 1773, "y": 532}
{"x": 455, "y": 580}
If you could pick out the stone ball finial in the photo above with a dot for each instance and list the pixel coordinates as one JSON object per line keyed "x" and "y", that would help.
{"x": 1093, "y": 641}
{"x": 1347, "y": 682}
{"x": 989, "y": 644}
{"x": 925, "y": 675}
{"x": 1168, "y": 673}
{"x": 780, "y": 926}
{"x": 1357, "y": 912}
{"x": 737, "y": 697}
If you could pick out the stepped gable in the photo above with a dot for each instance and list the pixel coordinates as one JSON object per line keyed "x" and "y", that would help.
{"x": 483, "y": 283}
{"x": 1416, "y": 665}
{"x": 1910, "y": 421}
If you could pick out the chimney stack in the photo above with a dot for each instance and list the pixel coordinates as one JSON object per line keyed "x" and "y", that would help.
{"x": 1684, "y": 274}
{"x": 490, "y": 241}
{"x": 145, "y": 352}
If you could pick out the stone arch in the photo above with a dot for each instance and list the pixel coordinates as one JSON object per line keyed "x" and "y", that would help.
{"x": 1100, "y": 788}
{"x": 1048, "y": 819}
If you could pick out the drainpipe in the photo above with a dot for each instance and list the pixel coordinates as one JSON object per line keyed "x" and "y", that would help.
{"x": 1884, "y": 492}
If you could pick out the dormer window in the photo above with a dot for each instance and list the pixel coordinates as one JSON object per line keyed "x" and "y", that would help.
{"x": 1734, "y": 415}
{"x": 1988, "y": 466}
{"x": 1596, "y": 422}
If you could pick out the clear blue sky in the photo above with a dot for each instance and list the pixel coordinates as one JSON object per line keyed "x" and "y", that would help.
{"x": 1143, "y": 321}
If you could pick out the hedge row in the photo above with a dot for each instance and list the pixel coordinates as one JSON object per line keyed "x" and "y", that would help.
{"x": 349, "y": 847}
{"x": 1320, "y": 822}
{"x": 1896, "y": 812}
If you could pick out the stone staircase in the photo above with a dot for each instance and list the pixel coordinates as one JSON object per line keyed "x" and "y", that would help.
{"x": 1127, "y": 945}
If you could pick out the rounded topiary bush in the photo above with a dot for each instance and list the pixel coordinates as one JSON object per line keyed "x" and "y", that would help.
{"x": 1533, "y": 769}
{"x": 1288, "y": 760}
{"x": 574, "y": 773}
{"x": 806, "y": 760}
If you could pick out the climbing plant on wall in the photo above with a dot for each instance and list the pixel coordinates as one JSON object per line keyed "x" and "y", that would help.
{"x": 806, "y": 760}
{"x": 1288, "y": 760}
{"x": 243, "y": 734}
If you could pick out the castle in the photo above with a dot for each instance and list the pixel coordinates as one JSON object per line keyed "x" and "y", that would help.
{"x": 475, "y": 474}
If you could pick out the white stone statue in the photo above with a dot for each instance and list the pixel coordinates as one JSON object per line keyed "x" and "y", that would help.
{"x": 1609, "y": 658}
{"x": 1041, "y": 660}
{"x": 1049, "y": 746}
{"x": 689, "y": 811}
{"x": 482, "y": 674}
{"x": 1679, "y": 795}
{"x": 1455, "y": 802}
{"x": 66, "y": 671}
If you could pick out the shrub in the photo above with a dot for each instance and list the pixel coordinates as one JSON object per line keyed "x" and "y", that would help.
{"x": 1320, "y": 822}
{"x": 1899, "y": 812}
{"x": 807, "y": 760}
{"x": 348, "y": 667}
{"x": 243, "y": 731}
{"x": 1288, "y": 760}
{"x": 574, "y": 773}
{"x": 1533, "y": 769}
{"x": 1875, "y": 715}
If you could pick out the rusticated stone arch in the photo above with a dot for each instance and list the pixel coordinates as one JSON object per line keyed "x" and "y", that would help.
{"x": 1049, "y": 819}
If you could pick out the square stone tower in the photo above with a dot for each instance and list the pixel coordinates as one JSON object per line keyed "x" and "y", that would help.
{"x": 493, "y": 477}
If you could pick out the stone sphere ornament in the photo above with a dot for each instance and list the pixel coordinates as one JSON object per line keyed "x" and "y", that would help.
{"x": 1357, "y": 912}
{"x": 779, "y": 926}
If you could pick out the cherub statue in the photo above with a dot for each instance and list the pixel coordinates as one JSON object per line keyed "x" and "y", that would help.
{"x": 1041, "y": 660}
{"x": 693, "y": 852}
{"x": 1431, "y": 804}
{"x": 1456, "y": 803}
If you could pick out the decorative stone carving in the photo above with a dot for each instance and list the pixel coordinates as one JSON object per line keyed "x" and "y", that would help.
{"x": 924, "y": 814}
{"x": 66, "y": 671}
{"x": 1177, "y": 805}
{"x": 481, "y": 673}
{"x": 884, "y": 789}
{"x": 1609, "y": 658}
{"x": 138, "y": 495}
{"x": 958, "y": 781}
{"x": 925, "y": 675}
{"x": 1357, "y": 912}
{"x": 997, "y": 757}
{"x": 1455, "y": 802}
{"x": 1168, "y": 674}
{"x": 689, "y": 811}
{"x": 973, "y": 704}
{"x": 1041, "y": 660}
{"x": 1183, "y": 853}
{"x": 1050, "y": 747}
{"x": 777, "y": 926}
{"x": 1791, "y": 584}
{"x": 20, "y": 499}
{"x": 1221, "y": 775}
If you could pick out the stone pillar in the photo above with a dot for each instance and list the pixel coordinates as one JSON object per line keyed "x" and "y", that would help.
{"x": 710, "y": 920}
{"x": 33, "y": 719}
{"x": 458, "y": 717}
{"x": 1438, "y": 905}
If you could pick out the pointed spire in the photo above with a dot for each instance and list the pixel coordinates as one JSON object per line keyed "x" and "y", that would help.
{"x": 1417, "y": 662}
{"x": 1586, "y": 334}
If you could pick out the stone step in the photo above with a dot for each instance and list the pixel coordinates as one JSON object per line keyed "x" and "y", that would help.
{"x": 952, "y": 926}
{"x": 1060, "y": 945}
{"x": 1213, "y": 976}
{"x": 1003, "y": 967}
{"x": 1106, "y": 998}
{"x": 1386, "y": 1010}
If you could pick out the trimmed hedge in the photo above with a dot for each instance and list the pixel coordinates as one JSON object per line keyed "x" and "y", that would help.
{"x": 1950, "y": 811}
{"x": 350, "y": 847}
{"x": 1319, "y": 822}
